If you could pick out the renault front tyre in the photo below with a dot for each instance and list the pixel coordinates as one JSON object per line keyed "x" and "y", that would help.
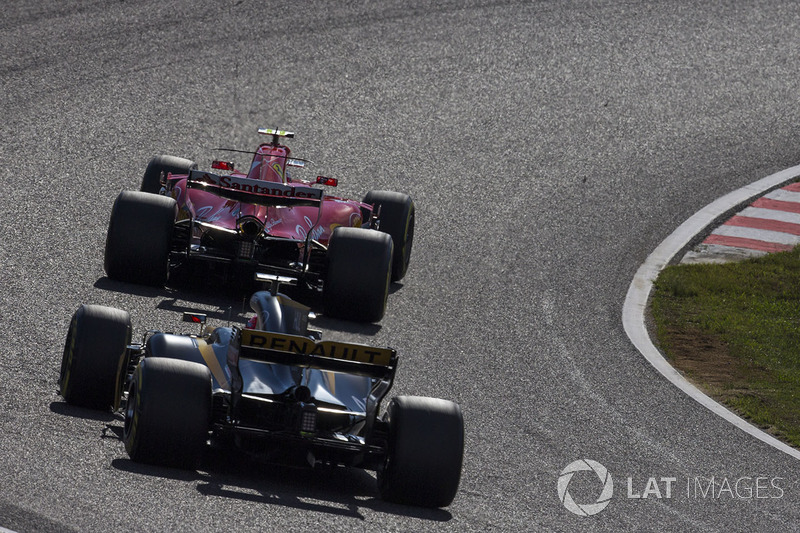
{"x": 94, "y": 358}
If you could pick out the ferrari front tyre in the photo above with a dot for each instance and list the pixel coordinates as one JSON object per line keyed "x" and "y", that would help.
{"x": 139, "y": 238}
{"x": 168, "y": 413}
{"x": 359, "y": 267}
{"x": 396, "y": 217}
{"x": 93, "y": 363}
{"x": 151, "y": 181}
{"x": 425, "y": 452}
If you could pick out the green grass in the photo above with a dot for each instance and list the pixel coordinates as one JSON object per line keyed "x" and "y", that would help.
{"x": 734, "y": 330}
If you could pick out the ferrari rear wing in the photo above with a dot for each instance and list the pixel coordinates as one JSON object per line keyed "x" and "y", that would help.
{"x": 252, "y": 191}
{"x": 295, "y": 350}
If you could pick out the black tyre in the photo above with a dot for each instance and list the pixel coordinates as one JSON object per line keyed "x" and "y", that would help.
{"x": 426, "y": 448}
{"x": 139, "y": 238}
{"x": 151, "y": 181}
{"x": 168, "y": 414}
{"x": 94, "y": 359}
{"x": 397, "y": 219}
{"x": 359, "y": 265}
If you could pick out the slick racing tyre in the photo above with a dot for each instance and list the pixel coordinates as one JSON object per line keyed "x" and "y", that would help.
{"x": 151, "y": 181}
{"x": 425, "y": 451}
{"x": 359, "y": 265}
{"x": 168, "y": 413}
{"x": 93, "y": 362}
{"x": 396, "y": 217}
{"x": 140, "y": 237}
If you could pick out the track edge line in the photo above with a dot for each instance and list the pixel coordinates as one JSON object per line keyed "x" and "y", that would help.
{"x": 638, "y": 295}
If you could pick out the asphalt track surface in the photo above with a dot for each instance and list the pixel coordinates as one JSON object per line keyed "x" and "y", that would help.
{"x": 549, "y": 146}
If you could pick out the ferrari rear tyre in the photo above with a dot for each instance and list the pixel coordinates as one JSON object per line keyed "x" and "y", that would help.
{"x": 397, "y": 219}
{"x": 93, "y": 362}
{"x": 168, "y": 414}
{"x": 359, "y": 265}
{"x": 425, "y": 452}
{"x": 139, "y": 238}
{"x": 151, "y": 181}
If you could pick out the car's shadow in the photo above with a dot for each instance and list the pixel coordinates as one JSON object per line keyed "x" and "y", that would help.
{"x": 232, "y": 301}
{"x": 332, "y": 490}
{"x": 227, "y": 473}
{"x": 63, "y": 408}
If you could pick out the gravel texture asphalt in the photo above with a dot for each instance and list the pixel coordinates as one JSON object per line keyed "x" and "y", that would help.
{"x": 549, "y": 147}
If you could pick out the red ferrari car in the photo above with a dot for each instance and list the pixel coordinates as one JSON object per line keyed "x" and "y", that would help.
{"x": 266, "y": 222}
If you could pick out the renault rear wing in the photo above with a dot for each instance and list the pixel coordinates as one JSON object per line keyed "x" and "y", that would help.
{"x": 305, "y": 352}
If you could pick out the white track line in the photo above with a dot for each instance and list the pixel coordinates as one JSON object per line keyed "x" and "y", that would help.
{"x": 633, "y": 311}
